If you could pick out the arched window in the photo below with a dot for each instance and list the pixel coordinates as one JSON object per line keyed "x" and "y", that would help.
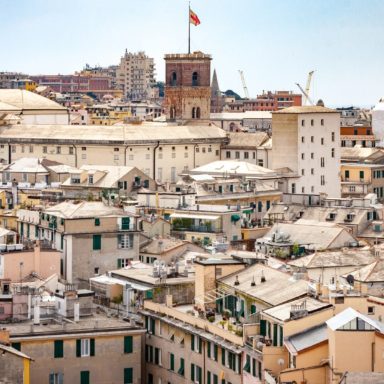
{"x": 198, "y": 113}
{"x": 193, "y": 113}
{"x": 172, "y": 112}
{"x": 195, "y": 79}
{"x": 173, "y": 79}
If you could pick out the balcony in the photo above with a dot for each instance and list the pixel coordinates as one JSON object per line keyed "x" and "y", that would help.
{"x": 197, "y": 228}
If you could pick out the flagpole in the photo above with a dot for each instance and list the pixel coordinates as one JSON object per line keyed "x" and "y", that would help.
{"x": 189, "y": 28}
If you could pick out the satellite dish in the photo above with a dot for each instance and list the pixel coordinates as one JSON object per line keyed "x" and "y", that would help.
{"x": 280, "y": 362}
{"x": 350, "y": 279}
{"x": 156, "y": 263}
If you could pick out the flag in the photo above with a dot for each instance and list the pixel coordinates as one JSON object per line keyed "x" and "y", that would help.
{"x": 193, "y": 19}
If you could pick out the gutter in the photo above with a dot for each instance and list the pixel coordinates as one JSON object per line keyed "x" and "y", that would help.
{"x": 154, "y": 160}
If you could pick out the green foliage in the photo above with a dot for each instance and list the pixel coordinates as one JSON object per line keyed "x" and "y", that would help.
{"x": 118, "y": 299}
{"x": 181, "y": 223}
{"x": 295, "y": 249}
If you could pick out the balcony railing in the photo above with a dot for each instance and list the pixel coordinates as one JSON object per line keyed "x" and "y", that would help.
{"x": 197, "y": 228}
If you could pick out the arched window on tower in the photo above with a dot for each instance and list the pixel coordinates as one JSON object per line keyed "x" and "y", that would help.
{"x": 173, "y": 79}
{"x": 195, "y": 79}
{"x": 193, "y": 113}
{"x": 172, "y": 112}
{"x": 198, "y": 113}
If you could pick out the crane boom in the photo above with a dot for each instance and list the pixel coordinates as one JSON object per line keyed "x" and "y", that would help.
{"x": 308, "y": 85}
{"x": 307, "y": 98}
{"x": 244, "y": 84}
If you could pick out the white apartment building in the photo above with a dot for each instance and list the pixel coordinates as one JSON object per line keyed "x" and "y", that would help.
{"x": 306, "y": 140}
{"x": 135, "y": 75}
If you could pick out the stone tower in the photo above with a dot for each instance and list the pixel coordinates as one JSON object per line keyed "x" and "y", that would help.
{"x": 187, "y": 86}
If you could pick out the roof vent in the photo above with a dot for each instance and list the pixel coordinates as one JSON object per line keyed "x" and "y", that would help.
{"x": 253, "y": 283}
{"x": 263, "y": 279}
{"x": 237, "y": 280}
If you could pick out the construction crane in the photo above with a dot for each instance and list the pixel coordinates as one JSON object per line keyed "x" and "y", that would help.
{"x": 244, "y": 85}
{"x": 307, "y": 89}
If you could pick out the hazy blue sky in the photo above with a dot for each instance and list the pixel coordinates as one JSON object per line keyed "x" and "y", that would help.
{"x": 274, "y": 42}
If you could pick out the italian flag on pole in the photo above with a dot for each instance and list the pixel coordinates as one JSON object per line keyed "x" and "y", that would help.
{"x": 193, "y": 19}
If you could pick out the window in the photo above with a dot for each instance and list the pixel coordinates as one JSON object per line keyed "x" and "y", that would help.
{"x": 56, "y": 378}
{"x": 322, "y": 180}
{"x": 293, "y": 188}
{"x": 302, "y": 172}
{"x": 70, "y": 150}
{"x": 96, "y": 242}
{"x": 333, "y": 136}
{"x": 196, "y": 374}
{"x": 333, "y": 152}
{"x": 90, "y": 179}
{"x": 302, "y": 139}
{"x": 58, "y": 150}
{"x": 322, "y": 141}
{"x": 128, "y": 375}
{"x": 125, "y": 223}
{"x": 31, "y": 149}
{"x": 228, "y": 154}
{"x": 13, "y": 149}
{"x": 302, "y": 189}
{"x": 173, "y": 155}
{"x": 171, "y": 361}
{"x": 116, "y": 149}
{"x": 83, "y": 148}
{"x": 84, "y": 377}
{"x": 303, "y": 123}
{"x": 58, "y": 349}
{"x": 322, "y": 121}
{"x": 197, "y": 149}
{"x": 352, "y": 188}
{"x": 122, "y": 263}
{"x": 85, "y": 347}
{"x": 237, "y": 155}
{"x": 312, "y": 171}
{"x": 128, "y": 344}
{"x": 181, "y": 368}
{"x": 195, "y": 79}
{"x": 312, "y": 123}
{"x": 322, "y": 162}
{"x": 196, "y": 344}
{"x": 312, "y": 139}
{"x": 346, "y": 175}
{"x": 173, "y": 79}
{"x": 246, "y": 155}
{"x": 22, "y": 149}
{"x": 371, "y": 310}
{"x": 130, "y": 157}
{"x": 312, "y": 155}
{"x": 361, "y": 175}
{"x": 303, "y": 156}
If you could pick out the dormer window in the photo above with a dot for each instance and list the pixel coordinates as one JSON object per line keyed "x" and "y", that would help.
{"x": 75, "y": 179}
{"x": 90, "y": 179}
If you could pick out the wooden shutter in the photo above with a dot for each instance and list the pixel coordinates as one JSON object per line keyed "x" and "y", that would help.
{"x": 223, "y": 356}
{"x": 192, "y": 342}
{"x": 208, "y": 349}
{"x": 275, "y": 335}
{"x": 128, "y": 344}
{"x": 263, "y": 327}
{"x": 128, "y": 375}
{"x": 92, "y": 343}
{"x": 58, "y": 348}
{"x": 84, "y": 377}
{"x": 200, "y": 344}
{"x": 193, "y": 372}
{"x": 215, "y": 350}
{"x": 78, "y": 348}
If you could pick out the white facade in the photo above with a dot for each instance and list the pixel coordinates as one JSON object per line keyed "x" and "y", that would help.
{"x": 306, "y": 140}
{"x": 378, "y": 121}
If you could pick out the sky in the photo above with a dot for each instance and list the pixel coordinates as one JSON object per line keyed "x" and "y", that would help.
{"x": 276, "y": 42}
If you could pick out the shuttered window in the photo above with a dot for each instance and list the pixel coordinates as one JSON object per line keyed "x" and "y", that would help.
{"x": 96, "y": 242}
{"x": 58, "y": 348}
{"x": 84, "y": 377}
{"x": 128, "y": 344}
{"x": 128, "y": 375}
{"x": 125, "y": 223}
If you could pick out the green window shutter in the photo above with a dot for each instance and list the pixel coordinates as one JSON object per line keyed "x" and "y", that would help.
{"x": 62, "y": 242}
{"x": 97, "y": 222}
{"x": 157, "y": 356}
{"x": 209, "y": 349}
{"x": 222, "y": 381}
{"x": 215, "y": 351}
{"x": 119, "y": 263}
{"x": 253, "y": 309}
{"x": 263, "y": 328}
{"x": 253, "y": 367}
{"x": 200, "y": 344}
{"x": 21, "y": 229}
{"x": 192, "y": 342}
{"x": 281, "y": 336}
{"x": 247, "y": 366}
{"x": 149, "y": 294}
{"x": 16, "y": 346}
{"x": 128, "y": 375}
{"x": 242, "y": 311}
{"x": 92, "y": 347}
{"x": 146, "y": 323}
{"x": 78, "y": 348}
{"x": 58, "y": 348}
{"x": 199, "y": 374}
{"x": 193, "y": 372}
{"x": 181, "y": 369}
{"x": 84, "y": 377}
{"x": 208, "y": 377}
{"x": 172, "y": 362}
{"x": 125, "y": 223}
{"x": 223, "y": 356}
{"x": 96, "y": 242}
{"x": 36, "y": 232}
{"x": 153, "y": 324}
{"x": 128, "y": 344}
{"x": 215, "y": 379}
{"x": 275, "y": 335}
{"x": 239, "y": 364}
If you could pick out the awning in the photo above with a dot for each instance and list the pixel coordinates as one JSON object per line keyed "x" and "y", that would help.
{"x": 235, "y": 217}
{"x": 248, "y": 211}
{"x": 188, "y": 216}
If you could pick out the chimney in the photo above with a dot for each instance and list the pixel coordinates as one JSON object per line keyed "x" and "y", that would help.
{"x": 76, "y": 312}
{"x": 36, "y": 315}
{"x": 36, "y": 258}
{"x": 4, "y": 336}
{"x": 169, "y": 300}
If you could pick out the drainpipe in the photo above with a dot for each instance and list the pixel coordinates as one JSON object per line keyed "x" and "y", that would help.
{"x": 74, "y": 146}
{"x": 9, "y": 152}
{"x": 154, "y": 159}
{"x": 125, "y": 154}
